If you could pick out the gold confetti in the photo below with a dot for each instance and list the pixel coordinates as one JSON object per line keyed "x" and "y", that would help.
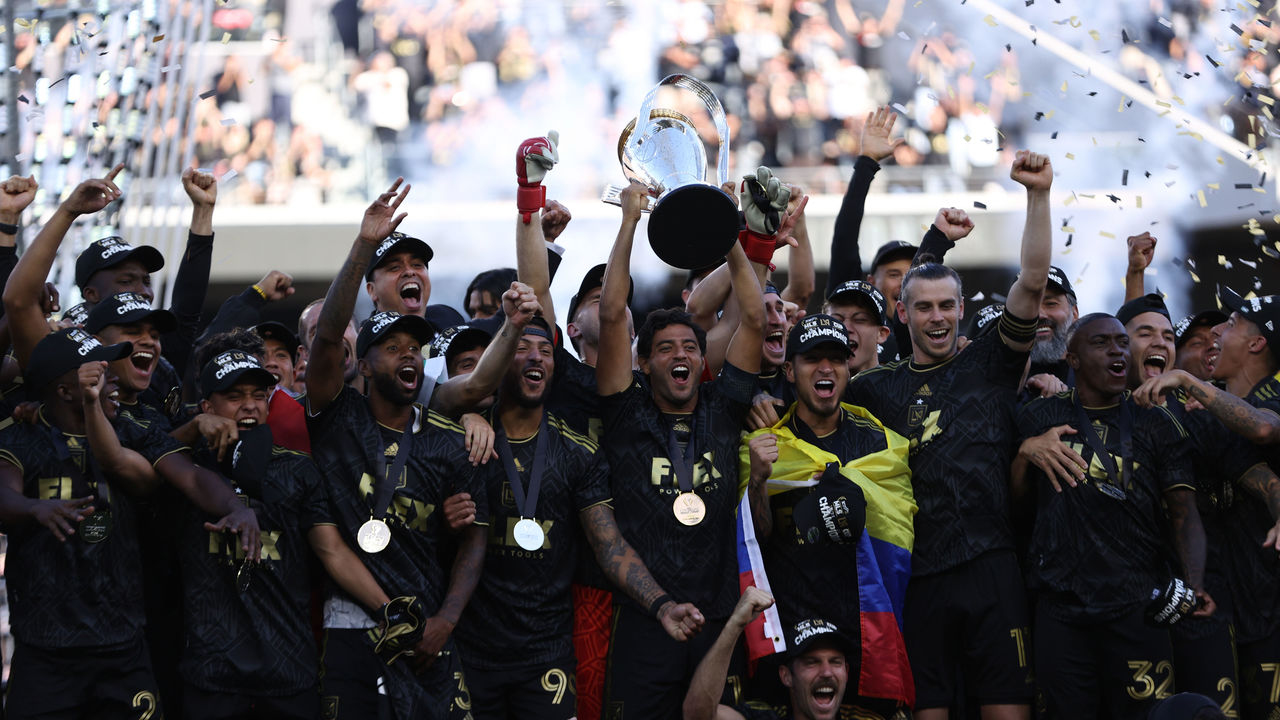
{"x": 1064, "y": 86}
{"x": 157, "y": 38}
{"x": 1139, "y": 200}
{"x": 1068, "y": 229}
{"x": 990, "y": 20}
{"x": 1162, "y": 103}
{"x": 1105, "y": 234}
{"x": 1222, "y": 260}
{"x": 1071, "y": 156}
{"x": 1267, "y": 99}
{"x": 1200, "y": 197}
{"x": 1074, "y": 22}
{"x": 1194, "y": 277}
{"x": 1123, "y": 100}
{"x": 1213, "y": 186}
{"x": 1096, "y": 37}
{"x": 1069, "y": 200}
{"x": 972, "y": 63}
{"x": 1178, "y": 100}
{"x": 226, "y": 38}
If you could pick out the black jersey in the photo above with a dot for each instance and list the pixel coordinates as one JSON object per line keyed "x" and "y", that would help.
{"x": 958, "y": 415}
{"x": 755, "y": 710}
{"x": 1254, "y": 571}
{"x": 521, "y": 614}
{"x": 1099, "y": 548}
{"x": 775, "y": 383}
{"x": 573, "y": 395}
{"x": 698, "y": 563}
{"x": 347, "y": 441}
{"x": 164, "y": 393}
{"x": 72, "y": 594}
{"x": 248, "y": 626}
{"x": 145, "y": 430}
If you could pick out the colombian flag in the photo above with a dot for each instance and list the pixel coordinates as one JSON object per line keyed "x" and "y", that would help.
{"x": 883, "y": 554}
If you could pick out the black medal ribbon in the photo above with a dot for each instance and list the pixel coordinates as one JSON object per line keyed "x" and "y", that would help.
{"x": 1100, "y": 451}
{"x": 682, "y": 462}
{"x": 526, "y": 505}
{"x": 386, "y": 482}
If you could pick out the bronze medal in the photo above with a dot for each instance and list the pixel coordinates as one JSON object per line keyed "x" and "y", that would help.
{"x": 689, "y": 509}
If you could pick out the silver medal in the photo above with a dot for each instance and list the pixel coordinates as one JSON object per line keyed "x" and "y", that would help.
{"x": 374, "y": 536}
{"x": 528, "y": 534}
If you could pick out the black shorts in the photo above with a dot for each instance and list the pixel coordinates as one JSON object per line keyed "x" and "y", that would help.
{"x": 1259, "y": 677}
{"x": 1118, "y": 669}
{"x": 648, "y": 673}
{"x": 1204, "y": 661}
{"x": 543, "y": 692}
{"x": 112, "y": 682}
{"x": 208, "y": 705}
{"x": 355, "y": 684}
{"x": 973, "y": 616}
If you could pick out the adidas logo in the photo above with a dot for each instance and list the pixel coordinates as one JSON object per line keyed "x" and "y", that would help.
{"x": 392, "y": 449}
{"x": 924, "y": 391}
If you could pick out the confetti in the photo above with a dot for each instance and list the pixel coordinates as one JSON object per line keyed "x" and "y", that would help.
{"x": 1138, "y": 200}
{"x": 1068, "y": 229}
{"x": 1244, "y": 186}
{"x": 157, "y": 38}
{"x": 1213, "y": 62}
{"x": 1071, "y": 156}
{"x": 979, "y": 205}
{"x": 208, "y": 94}
{"x": 1200, "y": 197}
{"x": 1105, "y": 234}
{"x": 990, "y": 20}
{"x": 226, "y": 38}
{"x": 1124, "y": 178}
{"x": 1213, "y": 186}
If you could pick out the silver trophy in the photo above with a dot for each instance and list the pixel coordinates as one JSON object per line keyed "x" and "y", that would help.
{"x": 693, "y": 223}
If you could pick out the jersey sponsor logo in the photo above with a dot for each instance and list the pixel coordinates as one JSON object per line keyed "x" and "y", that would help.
{"x": 1098, "y": 471}
{"x": 228, "y": 546}
{"x": 410, "y": 513}
{"x": 662, "y": 475}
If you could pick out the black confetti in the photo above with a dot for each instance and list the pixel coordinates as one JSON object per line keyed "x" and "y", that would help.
{"x": 1148, "y": 173}
{"x": 1054, "y": 136}
{"x": 1095, "y": 92}
{"x": 1008, "y": 47}
{"x": 1113, "y": 198}
{"x": 1124, "y": 36}
{"x": 1244, "y": 186}
{"x": 1124, "y": 178}
{"x": 1236, "y": 29}
{"x": 1039, "y": 116}
{"x": 1213, "y": 62}
{"x": 208, "y": 94}
{"x": 23, "y": 99}
{"x": 980, "y": 206}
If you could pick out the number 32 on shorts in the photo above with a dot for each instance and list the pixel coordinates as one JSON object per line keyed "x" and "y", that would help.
{"x": 1144, "y": 684}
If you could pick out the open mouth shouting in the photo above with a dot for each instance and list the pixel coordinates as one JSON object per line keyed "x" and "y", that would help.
{"x": 825, "y": 697}
{"x": 408, "y": 377}
{"x": 825, "y": 388}
{"x": 247, "y": 423}
{"x": 680, "y": 373}
{"x": 939, "y": 337}
{"x": 143, "y": 361}
{"x": 773, "y": 344}
{"x": 1211, "y": 356}
{"x": 1118, "y": 368}
{"x": 533, "y": 378}
{"x": 1154, "y": 363}
{"x": 411, "y": 295}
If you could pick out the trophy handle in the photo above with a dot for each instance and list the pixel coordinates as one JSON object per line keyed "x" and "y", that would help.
{"x": 714, "y": 109}
{"x": 613, "y": 195}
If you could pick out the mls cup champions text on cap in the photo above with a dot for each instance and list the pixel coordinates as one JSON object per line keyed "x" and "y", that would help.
{"x": 230, "y": 362}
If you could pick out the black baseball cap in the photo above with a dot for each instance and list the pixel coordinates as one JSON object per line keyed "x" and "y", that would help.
{"x": 1151, "y": 302}
{"x": 815, "y": 330}
{"x": 810, "y": 632}
{"x": 834, "y": 513}
{"x": 1058, "y": 279}
{"x": 111, "y": 251}
{"x": 1261, "y": 311}
{"x": 592, "y": 280}
{"x": 458, "y": 339}
{"x": 66, "y": 350}
{"x": 380, "y": 324}
{"x": 1204, "y": 318}
{"x": 77, "y": 314}
{"x": 278, "y": 331}
{"x": 984, "y": 321}
{"x": 893, "y": 250}
{"x": 866, "y": 293}
{"x": 230, "y": 369}
{"x": 398, "y": 242}
{"x": 128, "y": 308}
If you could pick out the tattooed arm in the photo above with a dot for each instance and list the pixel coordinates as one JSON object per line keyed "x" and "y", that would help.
{"x": 625, "y": 568}
{"x": 1257, "y": 425}
{"x": 1263, "y": 484}
{"x": 1189, "y": 540}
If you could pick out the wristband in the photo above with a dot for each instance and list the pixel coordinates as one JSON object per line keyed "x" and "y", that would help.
{"x": 656, "y": 605}
{"x": 530, "y": 199}
{"x": 258, "y": 289}
{"x": 8, "y": 229}
{"x": 758, "y": 248}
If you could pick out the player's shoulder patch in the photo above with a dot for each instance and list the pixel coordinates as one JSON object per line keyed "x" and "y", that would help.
{"x": 431, "y": 417}
{"x": 570, "y": 434}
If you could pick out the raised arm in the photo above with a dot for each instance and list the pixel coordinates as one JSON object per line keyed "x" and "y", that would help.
{"x": 1035, "y": 173}
{"x": 875, "y": 146}
{"x": 1142, "y": 250}
{"x": 801, "y": 278}
{"x": 613, "y": 364}
{"x": 16, "y": 194}
{"x": 534, "y": 159}
{"x": 191, "y": 284}
{"x": 462, "y": 394}
{"x": 702, "y": 701}
{"x": 25, "y": 288}
{"x": 325, "y": 361}
{"x": 117, "y": 461}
